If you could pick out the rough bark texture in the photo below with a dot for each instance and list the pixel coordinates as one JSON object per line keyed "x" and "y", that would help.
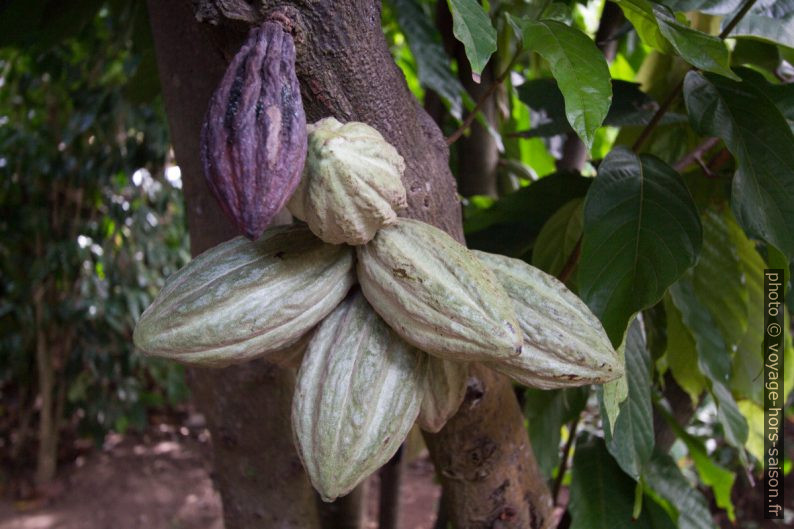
{"x": 477, "y": 458}
{"x": 247, "y": 407}
{"x": 346, "y": 71}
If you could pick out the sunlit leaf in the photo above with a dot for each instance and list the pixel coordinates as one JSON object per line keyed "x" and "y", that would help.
{"x": 472, "y": 26}
{"x": 580, "y": 70}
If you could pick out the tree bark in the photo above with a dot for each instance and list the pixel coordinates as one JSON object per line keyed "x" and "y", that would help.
{"x": 346, "y": 71}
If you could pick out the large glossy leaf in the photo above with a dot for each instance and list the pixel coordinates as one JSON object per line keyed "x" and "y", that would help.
{"x": 432, "y": 61}
{"x": 697, "y": 48}
{"x": 558, "y": 238}
{"x": 663, "y": 476}
{"x": 472, "y": 26}
{"x": 782, "y": 95}
{"x": 641, "y": 233}
{"x": 547, "y": 412}
{"x": 768, "y": 29}
{"x": 602, "y": 496}
{"x": 631, "y": 440}
{"x": 712, "y": 7}
{"x": 761, "y": 141}
{"x": 682, "y": 356}
{"x": 718, "y": 278}
{"x": 580, "y": 70}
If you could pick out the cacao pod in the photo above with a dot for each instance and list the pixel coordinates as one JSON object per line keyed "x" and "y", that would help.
{"x": 351, "y": 182}
{"x": 242, "y": 300}
{"x": 445, "y": 387}
{"x": 436, "y": 294}
{"x": 253, "y": 142}
{"x": 564, "y": 343}
{"x": 358, "y": 393}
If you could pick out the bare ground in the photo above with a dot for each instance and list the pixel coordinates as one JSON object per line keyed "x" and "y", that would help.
{"x": 162, "y": 481}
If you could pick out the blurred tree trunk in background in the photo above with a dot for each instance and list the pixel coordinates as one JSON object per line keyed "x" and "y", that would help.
{"x": 345, "y": 70}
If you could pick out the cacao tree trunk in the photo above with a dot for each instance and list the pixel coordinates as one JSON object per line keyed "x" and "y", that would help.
{"x": 346, "y": 71}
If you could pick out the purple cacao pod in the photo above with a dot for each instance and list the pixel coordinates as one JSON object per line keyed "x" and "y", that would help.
{"x": 253, "y": 143}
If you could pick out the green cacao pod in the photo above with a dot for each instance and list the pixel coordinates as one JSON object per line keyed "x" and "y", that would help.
{"x": 436, "y": 294}
{"x": 564, "y": 343}
{"x": 242, "y": 300}
{"x": 445, "y": 387}
{"x": 358, "y": 393}
{"x": 351, "y": 182}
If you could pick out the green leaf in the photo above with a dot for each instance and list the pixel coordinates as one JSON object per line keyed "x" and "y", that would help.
{"x": 682, "y": 357}
{"x": 558, "y": 237}
{"x": 748, "y": 361}
{"x": 712, "y": 7}
{"x": 714, "y": 358}
{"x": 640, "y": 14}
{"x": 782, "y": 95}
{"x": 697, "y": 48}
{"x": 630, "y": 107}
{"x": 767, "y": 29}
{"x": 612, "y": 394}
{"x": 754, "y": 414}
{"x": 602, "y": 496}
{"x": 512, "y": 223}
{"x": 580, "y": 70}
{"x": 547, "y": 411}
{"x": 665, "y": 479}
{"x": 731, "y": 419}
{"x": 432, "y": 61}
{"x": 631, "y": 440}
{"x": 641, "y": 233}
{"x": 472, "y": 26}
{"x": 761, "y": 141}
{"x": 718, "y": 278}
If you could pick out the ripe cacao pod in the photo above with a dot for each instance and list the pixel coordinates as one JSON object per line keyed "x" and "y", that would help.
{"x": 253, "y": 143}
{"x": 358, "y": 393}
{"x": 435, "y": 294}
{"x": 564, "y": 343}
{"x": 351, "y": 182}
{"x": 445, "y": 387}
{"x": 242, "y": 300}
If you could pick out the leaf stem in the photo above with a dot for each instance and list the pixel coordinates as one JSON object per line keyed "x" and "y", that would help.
{"x": 488, "y": 93}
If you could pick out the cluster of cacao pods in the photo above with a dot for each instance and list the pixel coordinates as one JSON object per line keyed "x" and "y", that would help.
{"x": 374, "y": 358}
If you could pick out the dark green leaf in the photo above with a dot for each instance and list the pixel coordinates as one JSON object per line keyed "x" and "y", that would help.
{"x": 431, "y": 59}
{"x": 697, "y": 48}
{"x": 665, "y": 479}
{"x": 602, "y": 496}
{"x": 580, "y": 70}
{"x": 714, "y": 357}
{"x": 511, "y": 224}
{"x": 762, "y": 142}
{"x": 631, "y": 441}
{"x": 717, "y": 278}
{"x": 641, "y": 233}
{"x": 767, "y": 29}
{"x": 472, "y": 26}
{"x": 682, "y": 356}
{"x": 558, "y": 237}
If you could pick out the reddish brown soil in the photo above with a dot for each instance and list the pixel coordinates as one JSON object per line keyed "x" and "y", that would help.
{"x": 162, "y": 481}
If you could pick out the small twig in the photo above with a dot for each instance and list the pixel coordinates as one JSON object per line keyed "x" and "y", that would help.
{"x": 570, "y": 264}
{"x": 657, "y": 117}
{"x": 695, "y": 154}
{"x": 488, "y": 93}
{"x": 566, "y": 452}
